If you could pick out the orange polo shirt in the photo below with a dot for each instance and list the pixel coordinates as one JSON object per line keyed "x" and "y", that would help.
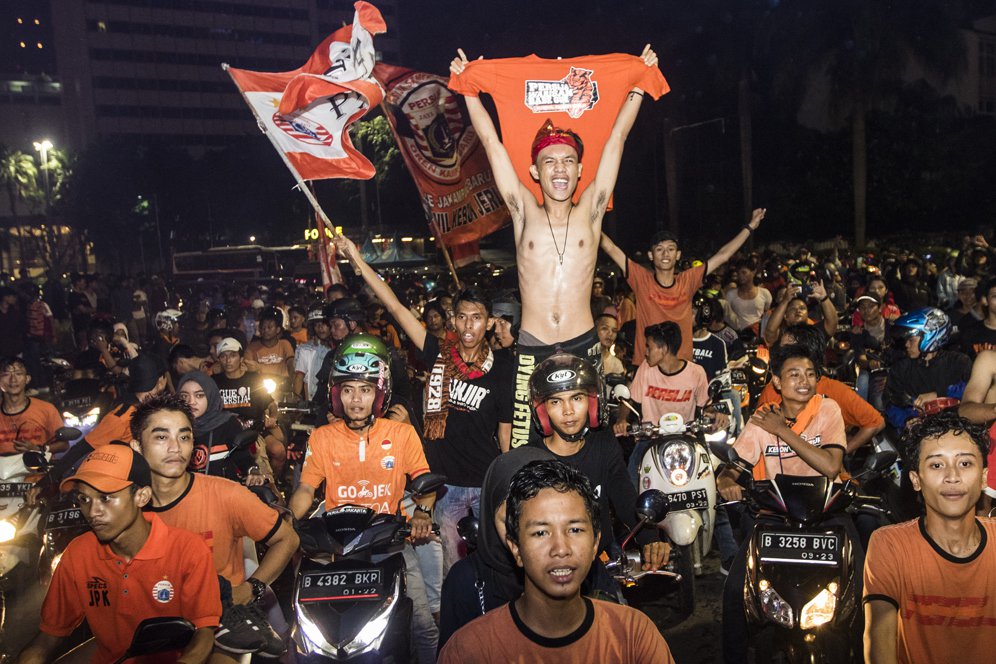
{"x": 171, "y": 575}
{"x": 222, "y": 512}
{"x": 368, "y": 471}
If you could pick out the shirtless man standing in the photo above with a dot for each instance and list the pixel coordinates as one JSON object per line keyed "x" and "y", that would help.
{"x": 978, "y": 405}
{"x": 555, "y": 262}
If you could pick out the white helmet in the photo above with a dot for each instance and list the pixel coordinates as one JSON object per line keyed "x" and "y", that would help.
{"x": 168, "y": 320}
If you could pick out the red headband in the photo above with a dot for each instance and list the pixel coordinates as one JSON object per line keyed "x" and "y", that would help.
{"x": 549, "y": 135}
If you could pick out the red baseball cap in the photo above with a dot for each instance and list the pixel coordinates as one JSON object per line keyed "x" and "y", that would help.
{"x": 110, "y": 469}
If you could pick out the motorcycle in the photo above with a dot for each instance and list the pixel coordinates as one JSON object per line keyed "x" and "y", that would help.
{"x": 345, "y": 605}
{"x": 13, "y": 474}
{"x": 652, "y": 506}
{"x": 83, "y": 402}
{"x": 801, "y": 587}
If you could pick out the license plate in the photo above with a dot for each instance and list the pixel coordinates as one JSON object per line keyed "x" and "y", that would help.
{"x": 65, "y": 518}
{"x": 693, "y": 499}
{"x": 14, "y": 489}
{"x": 799, "y": 548}
{"x": 339, "y": 585}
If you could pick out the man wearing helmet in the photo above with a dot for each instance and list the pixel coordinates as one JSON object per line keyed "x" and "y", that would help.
{"x": 363, "y": 459}
{"x": 566, "y": 394}
{"x": 928, "y": 372}
{"x": 309, "y": 356}
{"x": 467, "y": 402}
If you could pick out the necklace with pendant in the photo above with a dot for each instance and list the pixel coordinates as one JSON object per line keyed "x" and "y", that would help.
{"x": 560, "y": 254}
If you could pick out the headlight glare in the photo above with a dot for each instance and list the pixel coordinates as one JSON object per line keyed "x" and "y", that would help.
{"x": 819, "y": 610}
{"x": 776, "y": 608}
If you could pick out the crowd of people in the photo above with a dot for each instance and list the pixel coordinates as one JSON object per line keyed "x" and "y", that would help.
{"x": 504, "y": 394}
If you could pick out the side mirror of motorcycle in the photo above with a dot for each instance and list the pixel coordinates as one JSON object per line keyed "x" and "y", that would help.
{"x": 620, "y": 391}
{"x": 612, "y": 380}
{"x": 65, "y": 434}
{"x": 35, "y": 461}
{"x": 469, "y": 528}
{"x": 715, "y": 389}
{"x": 652, "y": 505}
{"x": 243, "y": 439}
{"x": 157, "y": 635}
{"x": 427, "y": 483}
{"x": 877, "y": 462}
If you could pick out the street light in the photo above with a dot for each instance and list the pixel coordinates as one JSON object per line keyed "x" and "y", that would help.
{"x": 252, "y": 238}
{"x": 44, "y": 146}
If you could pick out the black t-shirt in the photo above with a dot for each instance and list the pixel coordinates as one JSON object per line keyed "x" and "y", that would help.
{"x": 974, "y": 339}
{"x": 710, "y": 354}
{"x": 475, "y": 407}
{"x": 245, "y": 397}
{"x": 600, "y": 459}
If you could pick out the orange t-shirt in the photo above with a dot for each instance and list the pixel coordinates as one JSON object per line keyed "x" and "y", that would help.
{"x": 36, "y": 424}
{"x": 369, "y": 471}
{"x": 222, "y": 512}
{"x": 946, "y": 605}
{"x": 171, "y": 575}
{"x": 272, "y": 360}
{"x": 301, "y": 336}
{"x": 656, "y": 304}
{"x": 856, "y": 411}
{"x": 115, "y": 425}
{"x": 609, "y": 633}
{"x": 582, "y": 94}
{"x": 826, "y": 429}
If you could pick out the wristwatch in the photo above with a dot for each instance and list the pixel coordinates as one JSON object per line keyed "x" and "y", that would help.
{"x": 423, "y": 509}
{"x": 258, "y": 588}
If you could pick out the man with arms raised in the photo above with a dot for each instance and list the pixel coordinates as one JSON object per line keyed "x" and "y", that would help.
{"x": 663, "y": 294}
{"x": 552, "y": 527}
{"x": 555, "y": 264}
{"x": 930, "y": 584}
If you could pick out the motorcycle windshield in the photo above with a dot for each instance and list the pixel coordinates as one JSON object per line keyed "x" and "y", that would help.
{"x": 804, "y": 498}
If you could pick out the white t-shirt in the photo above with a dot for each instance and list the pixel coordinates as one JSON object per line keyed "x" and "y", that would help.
{"x": 747, "y": 312}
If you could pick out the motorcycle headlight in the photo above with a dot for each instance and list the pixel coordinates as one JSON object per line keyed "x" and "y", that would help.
{"x": 7, "y": 530}
{"x": 70, "y": 420}
{"x": 678, "y": 458}
{"x": 269, "y": 385}
{"x": 90, "y": 419}
{"x": 774, "y": 607}
{"x": 819, "y": 610}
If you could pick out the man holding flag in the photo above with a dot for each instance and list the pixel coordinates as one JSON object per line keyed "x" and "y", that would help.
{"x": 555, "y": 262}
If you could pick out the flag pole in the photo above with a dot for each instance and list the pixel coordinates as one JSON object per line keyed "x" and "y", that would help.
{"x": 301, "y": 185}
{"x": 432, "y": 224}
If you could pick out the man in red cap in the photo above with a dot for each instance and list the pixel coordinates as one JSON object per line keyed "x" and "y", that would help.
{"x": 131, "y": 567}
{"x": 555, "y": 262}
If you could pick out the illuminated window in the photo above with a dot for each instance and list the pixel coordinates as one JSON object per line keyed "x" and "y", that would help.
{"x": 101, "y": 26}
{"x": 37, "y": 22}
{"x": 20, "y": 21}
{"x": 39, "y": 45}
{"x": 23, "y": 45}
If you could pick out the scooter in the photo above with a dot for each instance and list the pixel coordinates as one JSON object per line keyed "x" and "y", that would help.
{"x": 13, "y": 474}
{"x": 346, "y": 606}
{"x": 801, "y": 587}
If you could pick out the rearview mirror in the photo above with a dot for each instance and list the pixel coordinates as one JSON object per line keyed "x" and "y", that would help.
{"x": 715, "y": 389}
{"x": 652, "y": 505}
{"x": 879, "y": 461}
{"x": 468, "y": 528}
{"x": 615, "y": 379}
{"x": 66, "y": 434}
{"x": 427, "y": 483}
{"x": 158, "y": 635}
{"x": 620, "y": 392}
{"x": 243, "y": 439}
{"x": 34, "y": 461}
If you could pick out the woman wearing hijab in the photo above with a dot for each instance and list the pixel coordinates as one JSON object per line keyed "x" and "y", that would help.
{"x": 488, "y": 577}
{"x": 214, "y": 428}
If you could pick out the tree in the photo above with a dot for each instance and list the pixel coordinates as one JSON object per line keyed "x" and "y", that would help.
{"x": 863, "y": 49}
{"x": 19, "y": 177}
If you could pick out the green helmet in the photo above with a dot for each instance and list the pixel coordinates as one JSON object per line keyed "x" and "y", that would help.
{"x": 361, "y": 357}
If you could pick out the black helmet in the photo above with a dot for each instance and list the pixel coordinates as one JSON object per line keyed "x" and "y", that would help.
{"x": 708, "y": 308}
{"x": 563, "y": 372}
{"x": 346, "y": 308}
{"x": 272, "y": 313}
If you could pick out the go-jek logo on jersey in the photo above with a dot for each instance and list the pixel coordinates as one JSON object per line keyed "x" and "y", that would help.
{"x": 574, "y": 94}
{"x": 363, "y": 489}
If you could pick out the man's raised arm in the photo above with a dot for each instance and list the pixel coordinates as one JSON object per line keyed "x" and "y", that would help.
{"x": 608, "y": 166}
{"x": 512, "y": 190}
{"x": 730, "y": 248}
{"x": 401, "y": 313}
{"x": 613, "y": 251}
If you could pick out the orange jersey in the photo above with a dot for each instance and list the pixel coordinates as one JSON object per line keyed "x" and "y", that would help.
{"x": 222, "y": 512}
{"x": 272, "y": 360}
{"x": 301, "y": 336}
{"x": 946, "y": 605}
{"x": 171, "y": 575}
{"x": 582, "y": 94}
{"x": 656, "y": 304}
{"x": 856, "y": 411}
{"x": 825, "y": 429}
{"x": 36, "y": 423}
{"x": 368, "y": 471}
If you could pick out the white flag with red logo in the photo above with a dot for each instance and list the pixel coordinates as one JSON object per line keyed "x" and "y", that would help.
{"x": 307, "y": 112}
